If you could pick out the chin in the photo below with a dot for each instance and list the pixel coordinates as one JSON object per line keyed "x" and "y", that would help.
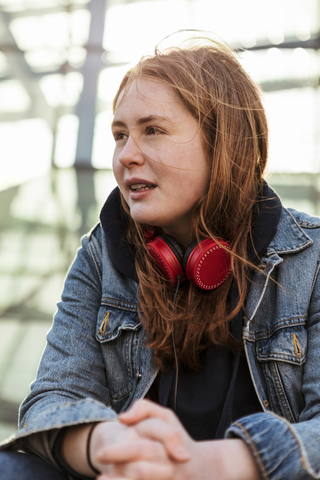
{"x": 144, "y": 219}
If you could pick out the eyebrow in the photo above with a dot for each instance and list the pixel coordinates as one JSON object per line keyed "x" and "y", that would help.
{"x": 142, "y": 121}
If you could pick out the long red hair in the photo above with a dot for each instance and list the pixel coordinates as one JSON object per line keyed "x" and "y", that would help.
{"x": 212, "y": 85}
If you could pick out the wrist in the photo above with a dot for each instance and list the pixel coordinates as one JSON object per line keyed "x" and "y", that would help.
{"x": 103, "y": 434}
{"x": 74, "y": 449}
{"x": 229, "y": 459}
{"x": 88, "y": 449}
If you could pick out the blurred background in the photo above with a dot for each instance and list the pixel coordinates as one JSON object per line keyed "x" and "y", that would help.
{"x": 60, "y": 64}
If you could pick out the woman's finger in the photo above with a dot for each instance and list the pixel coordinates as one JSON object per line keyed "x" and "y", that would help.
{"x": 144, "y": 471}
{"x": 129, "y": 452}
{"x": 140, "y": 471}
{"x": 107, "y": 477}
{"x": 173, "y": 438}
{"x": 143, "y": 409}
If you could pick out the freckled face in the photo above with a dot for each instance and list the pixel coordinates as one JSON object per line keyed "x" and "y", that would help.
{"x": 159, "y": 161}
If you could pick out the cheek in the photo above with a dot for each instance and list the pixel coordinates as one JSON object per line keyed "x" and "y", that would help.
{"x": 116, "y": 167}
{"x": 168, "y": 153}
{"x": 118, "y": 175}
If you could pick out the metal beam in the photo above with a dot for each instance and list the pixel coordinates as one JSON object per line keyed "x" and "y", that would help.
{"x": 86, "y": 108}
{"x": 65, "y": 68}
{"x": 20, "y": 69}
{"x": 289, "y": 83}
{"x": 289, "y": 43}
{"x": 46, "y": 11}
{"x": 30, "y": 113}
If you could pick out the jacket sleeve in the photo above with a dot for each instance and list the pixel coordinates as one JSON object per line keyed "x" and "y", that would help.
{"x": 283, "y": 450}
{"x": 70, "y": 387}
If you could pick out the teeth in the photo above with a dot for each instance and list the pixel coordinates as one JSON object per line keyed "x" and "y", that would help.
{"x": 141, "y": 187}
{"x": 138, "y": 186}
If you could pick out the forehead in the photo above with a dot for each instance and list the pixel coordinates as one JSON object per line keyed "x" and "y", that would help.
{"x": 149, "y": 95}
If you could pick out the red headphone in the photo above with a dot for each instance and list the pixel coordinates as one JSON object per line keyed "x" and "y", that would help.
{"x": 205, "y": 264}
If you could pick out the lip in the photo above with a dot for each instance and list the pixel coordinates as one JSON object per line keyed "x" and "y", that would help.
{"x": 135, "y": 181}
{"x": 139, "y": 195}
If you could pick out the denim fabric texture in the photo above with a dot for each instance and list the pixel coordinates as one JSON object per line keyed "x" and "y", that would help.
{"x": 20, "y": 466}
{"x": 96, "y": 364}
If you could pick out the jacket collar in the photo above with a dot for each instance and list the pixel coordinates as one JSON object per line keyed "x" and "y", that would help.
{"x": 290, "y": 237}
{"x": 115, "y": 222}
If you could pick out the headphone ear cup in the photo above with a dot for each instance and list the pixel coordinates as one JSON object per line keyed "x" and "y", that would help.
{"x": 168, "y": 255}
{"x": 208, "y": 265}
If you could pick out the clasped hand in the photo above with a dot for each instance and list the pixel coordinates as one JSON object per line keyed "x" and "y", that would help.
{"x": 148, "y": 442}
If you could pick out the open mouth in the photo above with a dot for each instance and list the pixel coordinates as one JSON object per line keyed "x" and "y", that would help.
{"x": 141, "y": 187}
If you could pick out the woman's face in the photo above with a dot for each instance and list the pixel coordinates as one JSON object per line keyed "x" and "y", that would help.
{"x": 159, "y": 161}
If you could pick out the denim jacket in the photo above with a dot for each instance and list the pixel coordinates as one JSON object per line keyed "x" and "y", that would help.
{"x": 96, "y": 363}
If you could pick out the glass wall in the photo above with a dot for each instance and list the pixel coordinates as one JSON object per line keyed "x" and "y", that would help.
{"x": 58, "y": 56}
{"x": 60, "y": 64}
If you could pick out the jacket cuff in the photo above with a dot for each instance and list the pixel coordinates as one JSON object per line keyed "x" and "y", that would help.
{"x": 39, "y": 432}
{"x": 274, "y": 445}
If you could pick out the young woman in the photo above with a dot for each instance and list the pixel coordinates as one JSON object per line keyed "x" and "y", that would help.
{"x": 186, "y": 343}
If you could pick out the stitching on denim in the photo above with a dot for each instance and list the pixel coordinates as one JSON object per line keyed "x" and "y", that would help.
{"x": 117, "y": 398}
{"x": 267, "y": 278}
{"x": 302, "y": 459}
{"x": 308, "y": 225}
{"x": 289, "y": 360}
{"x": 112, "y": 334}
{"x": 314, "y": 279}
{"x": 255, "y": 451}
{"x": 95, "y": 227}
{"x": 95, "y": 262}
{"x": 128, "y": 339}
{"x": 118, "y": 301}
{"x": 302, "y": 247}
{"x": 97, "y": 254}
{"x": 119, "y": 304}
{"x": 251, "y": 372}
{"x": 280, "y": 356}
{"x": 117, "y": 333}
{"x": 308, "y": 243}
{"x": 99, "y": 258}
{"x": 280, "y": 325}
{"x": 281, "y": 394}
{"x": 269, "y": 384}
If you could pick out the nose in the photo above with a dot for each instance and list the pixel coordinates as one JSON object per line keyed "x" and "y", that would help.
{"x": 131, "y": 154}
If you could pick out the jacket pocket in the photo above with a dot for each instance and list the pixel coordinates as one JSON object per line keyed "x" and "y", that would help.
{"x": 282, "y": 355}
{"x": 287, "y": 344}
{"x": 118, "y": 330}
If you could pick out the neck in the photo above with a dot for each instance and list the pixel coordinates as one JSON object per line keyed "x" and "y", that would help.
{"x": 184, "y": 237}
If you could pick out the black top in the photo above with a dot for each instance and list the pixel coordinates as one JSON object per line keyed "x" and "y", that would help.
{"x": 201, "y": 395}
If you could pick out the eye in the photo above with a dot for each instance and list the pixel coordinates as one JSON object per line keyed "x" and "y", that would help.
{"x": 119, "y": 136}
{"x": 150, "y": 130}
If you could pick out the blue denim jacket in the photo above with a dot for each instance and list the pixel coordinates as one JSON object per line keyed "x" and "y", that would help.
{"x": 95, "y": 363}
